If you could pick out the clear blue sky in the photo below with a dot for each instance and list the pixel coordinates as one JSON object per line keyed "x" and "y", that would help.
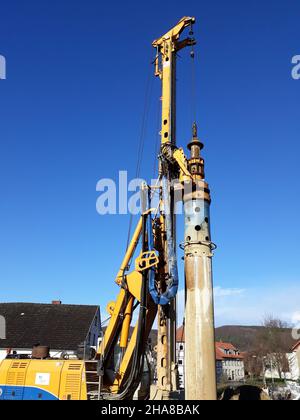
{"x": 71, "y": 113}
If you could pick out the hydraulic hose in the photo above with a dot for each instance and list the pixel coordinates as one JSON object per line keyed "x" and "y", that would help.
{"x": 173, "y": 279}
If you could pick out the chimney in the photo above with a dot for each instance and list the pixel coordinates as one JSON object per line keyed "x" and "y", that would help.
{"x": 56, "y": 302}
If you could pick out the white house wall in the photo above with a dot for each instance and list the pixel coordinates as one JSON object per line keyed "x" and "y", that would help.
{"x": 294, "y": 366}
{"x": 224, "y": 367}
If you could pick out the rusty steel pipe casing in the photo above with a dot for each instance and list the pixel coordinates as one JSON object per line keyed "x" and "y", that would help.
{"x": 200, "y": 362}
{"x": 200, "y": 354}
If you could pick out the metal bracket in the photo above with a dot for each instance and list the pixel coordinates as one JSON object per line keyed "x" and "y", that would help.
{"x": 146, "y": 260}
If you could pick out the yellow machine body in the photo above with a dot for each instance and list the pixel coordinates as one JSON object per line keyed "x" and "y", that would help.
{"x": 42, "y": 380}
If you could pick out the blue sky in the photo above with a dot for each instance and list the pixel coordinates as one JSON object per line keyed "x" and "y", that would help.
{"x": 71, "y": 113}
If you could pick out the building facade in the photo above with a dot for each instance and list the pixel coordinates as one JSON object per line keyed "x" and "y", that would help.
{"x": 229, "y": 360}
{"x": 294, "y": 362}
{"x": 230, "y": 363}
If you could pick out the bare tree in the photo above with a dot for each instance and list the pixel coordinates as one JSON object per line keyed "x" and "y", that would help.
{"x": 254, "y": 366}
{"x": 272, "y": 344}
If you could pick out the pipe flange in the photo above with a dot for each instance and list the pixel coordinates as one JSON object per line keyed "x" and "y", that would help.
{"x": 210, "y": 244}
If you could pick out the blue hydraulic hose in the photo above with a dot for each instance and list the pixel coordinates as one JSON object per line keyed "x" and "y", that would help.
{"x": 173, "y": 280}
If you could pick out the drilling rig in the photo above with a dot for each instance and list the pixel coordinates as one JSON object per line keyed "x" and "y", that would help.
{"x": 148, "y": 277}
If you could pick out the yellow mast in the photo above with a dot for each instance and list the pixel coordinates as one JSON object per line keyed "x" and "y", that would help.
{"x": 200, "y": 369}
{"x": 165, "y": 68}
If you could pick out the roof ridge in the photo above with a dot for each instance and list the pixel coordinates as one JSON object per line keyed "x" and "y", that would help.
{"x": 48, "y": 304}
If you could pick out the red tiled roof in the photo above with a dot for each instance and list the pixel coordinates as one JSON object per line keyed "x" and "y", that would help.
{"x": 296, "y": 346}
{"x": 180, "y": 335}
{"x": 226, "y": 346}
{"x": 220, "y": 355}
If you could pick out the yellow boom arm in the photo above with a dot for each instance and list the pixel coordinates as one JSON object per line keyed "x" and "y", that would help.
{"x": 165, "y": 68}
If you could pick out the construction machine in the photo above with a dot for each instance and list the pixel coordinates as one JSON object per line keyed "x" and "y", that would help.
{"x": 148, "y": 281}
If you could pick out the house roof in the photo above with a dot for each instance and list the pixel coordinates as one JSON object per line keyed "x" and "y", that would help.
{"x": 61, "y": 327}
{"x": 180, "y": 338}
{"x": 296, "y": 346}
{"x": 220, "y": 346}
{"x": 220, "y": 355}
{"x": 225, "y": 346}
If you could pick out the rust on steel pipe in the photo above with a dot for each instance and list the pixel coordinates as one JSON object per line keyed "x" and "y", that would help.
{"x": 200, "y": 361}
